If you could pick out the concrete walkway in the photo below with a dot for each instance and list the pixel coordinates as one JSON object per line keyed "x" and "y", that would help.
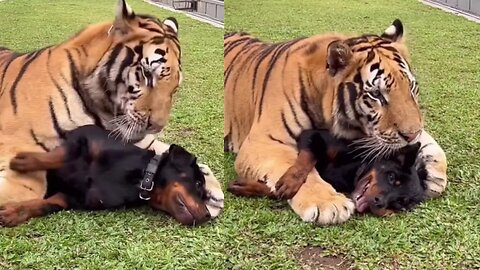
{"x": 455, "y": 11}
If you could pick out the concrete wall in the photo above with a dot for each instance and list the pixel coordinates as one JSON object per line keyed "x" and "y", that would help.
{"x": 470, "y": 6}
{"x": 211, "y": 8}
{"x": 170, "y": 3}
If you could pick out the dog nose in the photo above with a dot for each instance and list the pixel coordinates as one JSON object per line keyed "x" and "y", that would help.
{"x": 409, "y": 136}
{"x": 379, "y": 202}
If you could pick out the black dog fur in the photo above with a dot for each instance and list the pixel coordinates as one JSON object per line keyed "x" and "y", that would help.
{"x": 93, "y": 171}
{"x": 384, "y": 185}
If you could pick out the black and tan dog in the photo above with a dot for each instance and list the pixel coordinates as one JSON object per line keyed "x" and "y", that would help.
{"x": 92, "y": 171}
{"x": 383, "y": 186}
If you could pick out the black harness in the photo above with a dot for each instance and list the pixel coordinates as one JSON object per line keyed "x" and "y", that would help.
{"x": 146, "y": 185}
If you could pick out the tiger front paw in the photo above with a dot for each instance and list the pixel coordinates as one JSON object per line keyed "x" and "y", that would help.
{"x": 319, "y": 203}
{"x": 215, "y": 197}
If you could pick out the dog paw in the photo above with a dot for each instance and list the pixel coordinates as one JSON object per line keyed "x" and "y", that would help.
{"x": 325, "y": 208}
{"x": 23, "y": 162}
{"x": 215, "y": 197}
{"x": 12, "y": 215}
{"x": 289, "y": 184}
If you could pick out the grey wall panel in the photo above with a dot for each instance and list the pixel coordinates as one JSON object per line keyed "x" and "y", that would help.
{"x": 469, "y": 6}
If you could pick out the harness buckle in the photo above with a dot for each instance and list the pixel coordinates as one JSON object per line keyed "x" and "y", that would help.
{"x": 147, "y": 183}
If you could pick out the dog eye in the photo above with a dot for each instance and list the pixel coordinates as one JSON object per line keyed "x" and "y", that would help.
{"x": 391, "y": 179}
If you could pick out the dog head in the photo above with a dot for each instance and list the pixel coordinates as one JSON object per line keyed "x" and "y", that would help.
{"x": 390, "y": 184}
{"x": 180, "y": 187}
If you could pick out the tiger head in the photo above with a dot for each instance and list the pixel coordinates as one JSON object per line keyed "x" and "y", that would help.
{"x": 139, "y": 74}
{"x": 376, "y": 91}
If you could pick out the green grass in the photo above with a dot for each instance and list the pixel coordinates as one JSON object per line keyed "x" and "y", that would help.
{"x": 130, "y": 239}
{"x": 440, "y": 234}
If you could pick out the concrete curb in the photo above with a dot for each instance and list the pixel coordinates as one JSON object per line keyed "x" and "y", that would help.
{"x": 452, "y": 10}
{"x": 190, "y": 15}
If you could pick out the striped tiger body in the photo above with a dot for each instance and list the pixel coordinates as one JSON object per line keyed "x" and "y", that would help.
{"x": 119, "y": 75}
{"x": 360, "y": 88}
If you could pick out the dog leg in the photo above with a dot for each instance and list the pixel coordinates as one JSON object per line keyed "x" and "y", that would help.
{"x": 14, "y": 186}
{"x": 316, "y": 200}
{"x": 13, "y": 214}
{"x": 36, "y": 161}
{"x": 248, "y": 188}
{"x": 289, "y": 184}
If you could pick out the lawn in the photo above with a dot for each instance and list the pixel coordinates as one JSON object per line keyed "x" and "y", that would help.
{"x": 441, "y": 234}
{"x": 133, "y": 239}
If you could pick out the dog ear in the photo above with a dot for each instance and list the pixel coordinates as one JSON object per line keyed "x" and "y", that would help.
{"x": 408, "y": 155}
{"x": 179, "y": 156}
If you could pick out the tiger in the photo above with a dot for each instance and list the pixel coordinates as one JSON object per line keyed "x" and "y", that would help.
{"x": 360, "y": 88}
{"x": 120, "y": 75}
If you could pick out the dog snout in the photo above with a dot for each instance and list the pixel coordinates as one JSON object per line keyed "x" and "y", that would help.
{"x": 191, "y": 212}
{"x": 379, "y": 202}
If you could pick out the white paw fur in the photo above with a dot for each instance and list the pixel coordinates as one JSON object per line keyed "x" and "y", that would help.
{"x": 215, "y": 202}
{"x": 337, "y": 211}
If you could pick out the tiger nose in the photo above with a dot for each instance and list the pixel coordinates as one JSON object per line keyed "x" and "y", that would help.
{"x": 154, "y": 128}
{"x": 409, "y": 136}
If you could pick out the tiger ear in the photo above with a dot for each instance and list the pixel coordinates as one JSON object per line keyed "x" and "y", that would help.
{"x": 124, "y": 14}
{"x": 339, "y": 55}
{"x": 394, "y": 32}
{"x": 172, "y": 23}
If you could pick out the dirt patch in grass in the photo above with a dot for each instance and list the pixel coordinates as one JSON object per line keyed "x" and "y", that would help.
{"x": 185, "y": 132}
{"x": 390, "y": 263}
{"x": 3, "y": 263}
{"x": 314, "y": 258}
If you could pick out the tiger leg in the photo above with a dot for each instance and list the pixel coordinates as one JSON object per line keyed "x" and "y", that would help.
{"x": 215, "y": 196}
{"x": 316, "y": 200}
{"x": 18, "y": 187}
{"x": 435, "y": 162}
